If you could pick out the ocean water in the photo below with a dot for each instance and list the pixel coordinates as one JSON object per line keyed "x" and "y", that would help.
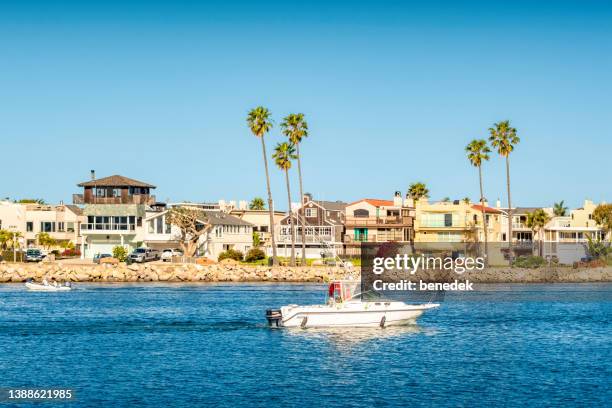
{"x": 130, "y": 345}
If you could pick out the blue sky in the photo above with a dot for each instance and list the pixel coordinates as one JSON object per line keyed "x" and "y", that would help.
{"x": 393, "y": 91}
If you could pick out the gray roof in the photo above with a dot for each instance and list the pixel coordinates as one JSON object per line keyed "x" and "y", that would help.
{"x": 75, "y": 209}
{"x": 332, "y": 205}
{"x": 221, "y": 218}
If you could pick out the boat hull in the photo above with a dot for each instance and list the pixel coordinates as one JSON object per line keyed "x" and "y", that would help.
{"x": 46, "y": 288}
{"x": 359, "y": 315}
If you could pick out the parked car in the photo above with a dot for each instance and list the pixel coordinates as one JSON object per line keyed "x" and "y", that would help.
{"x": 98, "y": 257}
{"x": 168, "y": 253}
{"x": 144, "y": 255}
{"x": 34, "y": 255}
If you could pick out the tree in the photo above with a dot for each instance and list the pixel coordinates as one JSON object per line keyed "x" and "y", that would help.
{"x": 536, "y": 221}
{"x": 477, "y": 152}
{"x": 283, "y": 154}
{"x": 295, "y": 128}
{"x": 503, "y": 138}
{"x": 559, "y": 209}
{"x": 46, "y": 240}
{"x": 192, "y": 224}
{"x": 466, "y": 200}
{"x": 446, "y": 200}
{"x": 256, "y": 239}
{"x": 32, "y": 201}
{"x": 120, "y": 253}
{"x": 7, "y": 238}
{"x": 602, "y": 215}
{"x": 260, "y": 123}
{"x": 418, "y": 190}
{"x": 257, "y": 204}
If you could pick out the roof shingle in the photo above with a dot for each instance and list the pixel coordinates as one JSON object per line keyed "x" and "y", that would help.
{"x": 115, "y": 181}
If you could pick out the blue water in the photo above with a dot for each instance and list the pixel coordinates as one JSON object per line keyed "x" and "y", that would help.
{"x": 150, "y": 345}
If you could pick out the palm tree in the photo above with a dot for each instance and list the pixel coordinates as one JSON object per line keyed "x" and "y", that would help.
{"x": 477, "y": 152}
{"x": 559, "y": 209}
{"x": 257, "y": 203}
{"x": 295, "y": 128}
{"x": 417, "y": 190}
{"x": 260, "y": 123}
{"x": 283, "y": 154}
{"x": 467, "y": 200}
{"x": 536, "y": 221}
{"x": 503, "y": 138}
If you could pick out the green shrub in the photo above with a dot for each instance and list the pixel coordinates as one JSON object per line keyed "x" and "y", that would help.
{"x": 120, "y": 253}
{"x": 254, "y": 254}
{"x": 231, "y": 254}
{"x": 530, "y": 262}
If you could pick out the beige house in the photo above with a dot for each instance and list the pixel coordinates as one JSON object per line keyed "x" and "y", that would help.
{"x": 61, "y": 222}
{"x": 575, "y": 227}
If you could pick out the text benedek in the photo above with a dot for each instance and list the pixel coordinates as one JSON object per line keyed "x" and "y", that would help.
{"x": 404, "y": 285}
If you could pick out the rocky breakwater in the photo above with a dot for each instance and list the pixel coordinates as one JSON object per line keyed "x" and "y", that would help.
{"x": 160, "y": 272}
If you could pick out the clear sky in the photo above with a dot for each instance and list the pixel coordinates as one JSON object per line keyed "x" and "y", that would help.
{"x": 393, "y": 91}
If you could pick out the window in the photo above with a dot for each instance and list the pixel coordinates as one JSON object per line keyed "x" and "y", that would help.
{"x": 70, "y": 226}
{"x": 100, "y": 192}
{"x": 29, "y": 226}
{"x": 311, "y": 212}
{"x": 168, "y": 227}
{"x": 361, "y": 213}
{"x": 116, "y": 192}
{"x": 160, "y": 225}
{"x": 448, "y": 220}
{"x": 218, "y": 231}
{"x": 60, "y": 227}
{"x": 47, "y": 226}
{"x": 150, "y": 228}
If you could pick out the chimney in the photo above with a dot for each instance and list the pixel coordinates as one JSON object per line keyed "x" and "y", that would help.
{"x": 93, "y": 174}
{"x": 498, "y": 203}
{"x": 307, "y": 197}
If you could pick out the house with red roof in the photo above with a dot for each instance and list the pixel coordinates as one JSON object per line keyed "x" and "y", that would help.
{"x": 378, "y": 220}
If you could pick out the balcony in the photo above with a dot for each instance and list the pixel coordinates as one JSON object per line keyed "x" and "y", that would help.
{"x": 380, "y": 237}
{"x": 106, "y": 228}
{"x": 377, "y": 221}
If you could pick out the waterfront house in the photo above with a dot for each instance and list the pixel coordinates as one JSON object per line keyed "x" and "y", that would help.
{"x": 323, "y": 224}
{"x": 114, "y": 209}
{"x": 444, "y": 221}
{"x": 61, "y": 222}
{"x": 376, "y": 220}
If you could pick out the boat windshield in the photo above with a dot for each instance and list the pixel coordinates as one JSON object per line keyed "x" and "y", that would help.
{"x": 341, "y": 291}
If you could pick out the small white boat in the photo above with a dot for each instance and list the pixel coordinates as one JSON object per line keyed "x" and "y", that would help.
{"x": 48, "y": 287}
{"x": 346, "y": 307}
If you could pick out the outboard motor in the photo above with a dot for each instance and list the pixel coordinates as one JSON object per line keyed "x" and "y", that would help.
{"x": 275, "y": 318}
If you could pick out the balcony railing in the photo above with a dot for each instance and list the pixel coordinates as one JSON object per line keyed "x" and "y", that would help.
{"x": 104, "y": 227}
{"x": 310, "y": 239}
{"x": 373, "y": 221}
{"x": 373, "y": 238}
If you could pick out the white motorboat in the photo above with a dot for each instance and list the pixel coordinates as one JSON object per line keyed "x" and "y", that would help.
{"x": 347, "y": 307}
{"x": 48, "y": 287}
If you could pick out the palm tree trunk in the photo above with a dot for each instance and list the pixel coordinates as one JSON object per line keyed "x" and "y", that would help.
{"x": 484, "y": 217}
{"x": 270, "y": 209}
{"x": 511, "y": 253}
{"x": 301, "y": 198}
{"x": 290, "y": 219}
